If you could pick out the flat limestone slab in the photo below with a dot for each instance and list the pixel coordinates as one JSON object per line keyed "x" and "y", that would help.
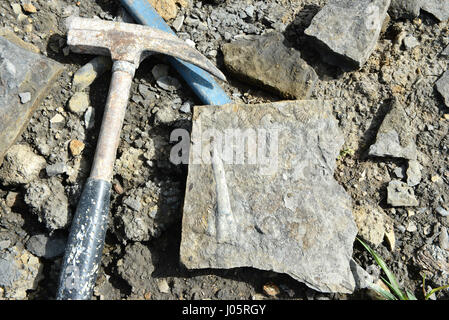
{"x": 281, "y": 210}
{"x": 25, "y": 78}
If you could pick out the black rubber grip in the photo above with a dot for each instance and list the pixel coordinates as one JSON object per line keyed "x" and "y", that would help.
{"x": 85, "y": 244}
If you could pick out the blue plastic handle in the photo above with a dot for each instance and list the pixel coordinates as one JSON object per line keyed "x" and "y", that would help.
{"x": 201, "y": 82}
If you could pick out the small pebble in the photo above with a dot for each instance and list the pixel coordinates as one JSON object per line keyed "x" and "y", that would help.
{"x": 163, "y": 286}
{"x": 271, "y": 289}
{"x": 168, "y": 83}
{"x": 159, "y": 71}
{"x": 79, "y": 102}
{"x": 411, "y": 227}
{"x": 76, "y": 147}
{"x": 442, "y": 212}
{"x": 58, "y": 118}
{"x": 29, "y": 7}
{"x": 25, "y": 97}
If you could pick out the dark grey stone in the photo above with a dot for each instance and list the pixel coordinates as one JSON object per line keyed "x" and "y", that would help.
{"x": 442, "y": 86}
{"x": 32, "y": 74}
{"x": 404, "y": 8}
{"x": 395, "y": 137}
{"x": 47, "y": 247}
{"x": 280, "y": 211}
{"x": 267, "y": 62}
{"x": 347, "y": 31}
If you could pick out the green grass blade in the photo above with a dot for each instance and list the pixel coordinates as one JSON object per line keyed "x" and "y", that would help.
{"x": 393, "y": 284}
{"x": 411, "y": 296}
{"x": 436, "y": 290}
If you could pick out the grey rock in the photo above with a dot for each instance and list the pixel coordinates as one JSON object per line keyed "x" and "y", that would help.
{"x": 26, "y": 78}
{"x": 404, "y": 8}
{"x": 79, "y": 102}
{"x": 165, "y": 116}
{"x": 186, "y": 107}
{"x": 442, "y": 212}
{"x": 87, "y": 74}
{"x": 21, "y": 165}
{"x": 395, "y": 137}
{"x": 159, "y": 71}
{"x": 399, "y": 172}
{"x": 435, "y": 261}
{"x": 55, "y": 169}
{"x": 267, "y": 62}
{"x": 19, "y": 271}
{"x": 168, "y": 83}
{"x": 146, "y": 212}
{"x": 442, "y": 86}
{"x": 444, "y": 239}
{"x": 47, "y": 199}
{"x": 445, "y": 52}
{"x": 414, "y": 175}
{"x": 300, "y": 223}
{"x": 411, "y": 227}
{"x": 25, "y": 97}
{"x": 178, "y": 22}
{"x": 347, "y": 31}
{"x": 400, "y": 195}
{"x": 438, "y": 8}
{"x": 410, "y": 42}
{"x": 47, "y": 247}
{"x": 136, "y": 267}
{"x": 133, "y": 203}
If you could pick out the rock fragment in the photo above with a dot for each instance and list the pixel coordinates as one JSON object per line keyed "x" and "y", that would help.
{"x": 435, "y": 261}
{"x": 159, "y": 71}
{"x": 404, "y": 8}
{"x": 347, "y": 31}
{"x": 79, "y": 102}
{"x": 87, "y": 74}
{"x": 76, "y": 147}
{"x": 300, "y": 223}
{"x": 372, "y": 222}
{"x": 46, "y": 247}
{"x": 19, "y": 76}
{"x": 21, "y": 165}
{"x": 56, "y": 169}
{"x": 395, "y": 137}
{"x": 410, "y": 42}
{"x": 168, "y": 83}
{"x": 29, "y": 7}
{"x": 401, "y": 195}
{"x": 167, "y": 9}
{"x": 136, "y": 267}
{"x": 47, "y": 199}
{"x": 442, "y": 86}
{"x": 19, "y": 271}
{"x": 268, "y": 63}
{"x": 438, "y": 8}
{"x": 414, "y": 173}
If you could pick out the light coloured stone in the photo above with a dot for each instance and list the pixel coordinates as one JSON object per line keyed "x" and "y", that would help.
{"x": 285, "y": 212}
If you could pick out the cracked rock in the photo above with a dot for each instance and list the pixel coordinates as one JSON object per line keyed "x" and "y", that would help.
{"x": 21, "y": 165}
{"x": 281, "y": 210}
{"x": 395, "y": 137}
{"x": 48, "y": 201}
{"x": 267, "y": 62}
{"x": 347, "y": 31}
{"x": 401, "y": 195}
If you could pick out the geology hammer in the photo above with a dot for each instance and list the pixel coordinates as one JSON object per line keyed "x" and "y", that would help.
{"x": 127, "y": 44}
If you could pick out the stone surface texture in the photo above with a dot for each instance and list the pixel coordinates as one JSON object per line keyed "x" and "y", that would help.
{"x": 395, "y": 137}
{"x": 285, "y": 213}
{"x": 347, "y": 31}
{"x": 31, "y": 73}
{"x": 267, "y": 62}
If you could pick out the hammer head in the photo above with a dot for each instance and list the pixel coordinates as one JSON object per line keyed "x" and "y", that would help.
{"x": 130, "y": 42}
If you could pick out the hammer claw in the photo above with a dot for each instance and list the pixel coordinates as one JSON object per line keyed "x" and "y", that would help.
{"x": 128, "y": 42}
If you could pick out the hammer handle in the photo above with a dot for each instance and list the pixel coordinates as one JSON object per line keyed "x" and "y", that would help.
{"x": 86, "y": 241}
{"x": 87, "y": 234}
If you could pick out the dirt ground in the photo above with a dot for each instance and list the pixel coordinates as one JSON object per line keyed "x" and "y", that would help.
{"x": 147, "y": 267}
